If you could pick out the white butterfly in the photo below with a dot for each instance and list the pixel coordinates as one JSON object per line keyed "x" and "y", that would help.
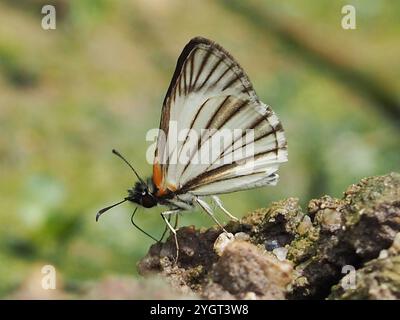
{"x": 209, "y": 93}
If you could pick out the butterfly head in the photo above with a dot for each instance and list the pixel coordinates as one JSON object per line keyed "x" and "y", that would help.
{"x": 141, "y": 195}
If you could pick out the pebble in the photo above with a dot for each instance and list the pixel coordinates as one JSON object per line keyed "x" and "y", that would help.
{"x": 280, "y": 253}
{"x": 250, "y": 296}
{"x": 304, "y": 225}
{"x": 242, "y": 236}
{"x": 222, "y": 241}
{"x": 271, "y": 245}
{"x": 383, "y": 254}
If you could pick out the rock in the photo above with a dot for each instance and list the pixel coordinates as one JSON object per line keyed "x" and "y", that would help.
{"x": 304, "y": 226}
{"x": 222, "y": 241}
{"x": 245, "y": 269}
{"x": 280, "y": 253}
{"x": 352, "y": 231}
{"x": 283, "y": 252}
{"x": 279, "y": 225}
{"x": 378, "y": 279}
{"x": 196, "y": 257}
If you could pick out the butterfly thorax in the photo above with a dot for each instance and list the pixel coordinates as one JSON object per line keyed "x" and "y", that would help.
{"x": 145, "y": 194}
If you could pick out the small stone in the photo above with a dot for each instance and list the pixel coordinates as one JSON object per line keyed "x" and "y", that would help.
{"x": 383, "y": 254}
{"x": 271, "y": 245}
{"x": 280, "y": 253}
{"x": 250, "y": 296}
{"x": 222, "y": 241}
{"x": 242, "y": 236}
{"x": 244, "y": 268}
{"x": 331, "y": 219}
{"x": 304, "y": 225}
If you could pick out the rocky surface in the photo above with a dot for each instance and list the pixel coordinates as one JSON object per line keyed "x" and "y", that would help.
{"x": 336, "y": 249}
{"x": 378, "y": 279}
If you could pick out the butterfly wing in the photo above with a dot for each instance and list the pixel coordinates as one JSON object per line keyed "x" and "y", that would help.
{"x": 209, "y": 94}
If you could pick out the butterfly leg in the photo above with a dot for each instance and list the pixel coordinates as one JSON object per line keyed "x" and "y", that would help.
{"x": 165, "y": 229}
{"x": 166, "y": 215}
{"x": 218, "y": 202}
{"x": 176, "y": 222}
{"x": 204, "y": 205}
{"x": 166, "y": 226}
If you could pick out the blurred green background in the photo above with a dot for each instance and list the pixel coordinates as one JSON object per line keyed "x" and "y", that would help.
{"x": 70, "y": 95}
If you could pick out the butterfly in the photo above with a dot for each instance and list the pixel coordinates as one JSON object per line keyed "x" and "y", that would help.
{"x": 209, "y": 93}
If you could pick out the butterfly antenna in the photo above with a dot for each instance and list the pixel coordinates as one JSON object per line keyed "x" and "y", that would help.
{"x": 126, "y": 161}
{"x": 139, "y": 228}
{"x": 108, "y": 208}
